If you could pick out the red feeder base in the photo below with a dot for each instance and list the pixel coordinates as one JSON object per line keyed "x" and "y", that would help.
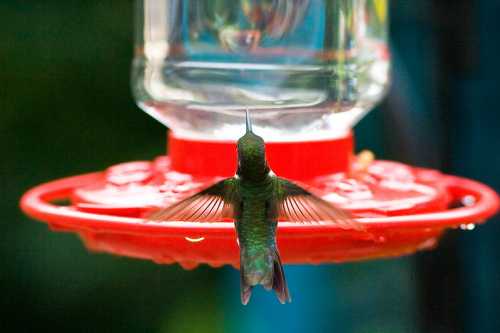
{"x": 404, "y": 209}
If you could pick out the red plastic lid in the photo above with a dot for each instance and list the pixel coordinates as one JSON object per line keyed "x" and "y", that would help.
{"x": 404, "y": 209}
{"x": 293, "y": 160}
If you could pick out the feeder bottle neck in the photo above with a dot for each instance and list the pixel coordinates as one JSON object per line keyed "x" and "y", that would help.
{"x": 300, "y": 160}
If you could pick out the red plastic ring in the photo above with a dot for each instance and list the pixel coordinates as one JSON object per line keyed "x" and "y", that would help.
{"x": 299, "y": 243}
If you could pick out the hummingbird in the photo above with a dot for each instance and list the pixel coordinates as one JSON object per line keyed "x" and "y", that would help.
{"x": 255, "y": 198}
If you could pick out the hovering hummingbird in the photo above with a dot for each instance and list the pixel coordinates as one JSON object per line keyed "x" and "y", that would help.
{"x": 255, "y": 198}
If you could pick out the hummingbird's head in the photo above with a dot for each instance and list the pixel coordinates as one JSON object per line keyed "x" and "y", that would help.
{"x": 252, "y": 162}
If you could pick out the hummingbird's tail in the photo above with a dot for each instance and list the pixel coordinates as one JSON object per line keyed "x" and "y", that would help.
{"x": 264, "y": 269}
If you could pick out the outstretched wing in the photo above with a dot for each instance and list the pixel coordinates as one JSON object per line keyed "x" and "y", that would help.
{"x": 211, "y": 205}
{"x": 296, "y": 204}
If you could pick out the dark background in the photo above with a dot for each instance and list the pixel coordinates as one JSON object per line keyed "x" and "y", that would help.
{"x": 66, "y": 108}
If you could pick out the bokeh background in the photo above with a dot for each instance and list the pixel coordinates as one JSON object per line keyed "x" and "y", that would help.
{"x": 66, "y": 108}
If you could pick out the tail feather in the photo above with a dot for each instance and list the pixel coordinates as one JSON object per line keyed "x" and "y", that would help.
{"x": 279, "y": 281}
{"x": 246, "y": 289}
{"x": 274, "y": 279}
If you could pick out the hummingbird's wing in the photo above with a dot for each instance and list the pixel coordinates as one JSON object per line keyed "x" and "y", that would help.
{"x": 210, "y": 205}
{"x": 295, "y": 204}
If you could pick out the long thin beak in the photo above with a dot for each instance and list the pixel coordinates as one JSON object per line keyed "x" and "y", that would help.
{"x": 248, "y": 121}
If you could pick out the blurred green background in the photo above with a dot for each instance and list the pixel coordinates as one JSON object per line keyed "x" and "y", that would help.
{"x": 66, "y": 108}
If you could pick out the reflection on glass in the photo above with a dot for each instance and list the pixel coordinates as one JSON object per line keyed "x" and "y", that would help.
{"x": 307, "y": 69}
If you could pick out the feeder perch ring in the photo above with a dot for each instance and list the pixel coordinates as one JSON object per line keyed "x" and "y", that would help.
{"x": 119, "y": 229}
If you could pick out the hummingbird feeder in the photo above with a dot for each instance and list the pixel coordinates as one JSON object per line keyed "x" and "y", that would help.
{"x": 307, "y": 71}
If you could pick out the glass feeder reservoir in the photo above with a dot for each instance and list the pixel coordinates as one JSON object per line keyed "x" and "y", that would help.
{"x": 306, "y": 69}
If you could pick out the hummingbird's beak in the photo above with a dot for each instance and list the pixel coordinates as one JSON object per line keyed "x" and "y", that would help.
{"x": 248, "y": 121}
